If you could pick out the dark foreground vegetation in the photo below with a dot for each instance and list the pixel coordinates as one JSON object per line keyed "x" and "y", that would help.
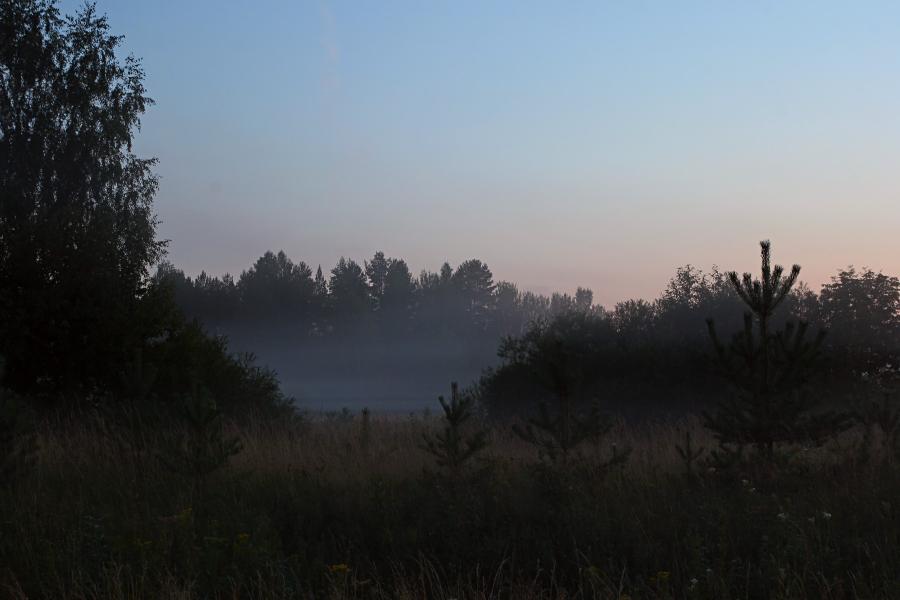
{"x": 141, "y": 458}
{"x": 780, "y": 491}
{"x": 345, "y": 506}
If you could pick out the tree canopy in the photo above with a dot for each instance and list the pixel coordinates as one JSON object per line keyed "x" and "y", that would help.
{"x": 77, "y": 229}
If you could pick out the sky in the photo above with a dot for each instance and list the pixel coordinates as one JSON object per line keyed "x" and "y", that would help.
{"x": 597, "y": 144}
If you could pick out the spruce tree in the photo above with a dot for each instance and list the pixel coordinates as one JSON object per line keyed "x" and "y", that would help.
{"x": 770, "y": 370}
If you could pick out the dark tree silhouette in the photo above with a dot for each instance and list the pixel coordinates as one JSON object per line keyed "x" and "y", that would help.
{"x": 473, "y": 283}
{"x": 77, "y": 230}
{"x": 770, "y": 370}
{"x": 862, "y": 313}
{"x": 556, "y": 353}
{"x": 349, "y": 293}
{"x": 398, "y": 297}
{"x": 584, "y": 299}
{"x": 278, "y": 288}
{"x": 320, "y": 286}
{"x": 453, "y": 448}
{"x": 376, "y": 272}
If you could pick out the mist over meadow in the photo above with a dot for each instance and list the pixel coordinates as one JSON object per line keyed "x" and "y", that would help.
{"x": 371, "y": 334}
{"x": 361, "y": 431}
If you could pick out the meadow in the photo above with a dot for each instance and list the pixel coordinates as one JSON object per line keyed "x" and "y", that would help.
{"x": 122, "y": 504}
{"x": 735, "y": 437}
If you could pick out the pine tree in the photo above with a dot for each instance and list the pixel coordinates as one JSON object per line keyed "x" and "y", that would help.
{"x": 376, "y": 273}
{"x": 320, "y": 285}
{"x": 452, "y": 448}
{"x": 770, "y": 372}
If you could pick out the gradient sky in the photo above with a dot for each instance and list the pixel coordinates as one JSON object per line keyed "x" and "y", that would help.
{"x": 565, "y": 144}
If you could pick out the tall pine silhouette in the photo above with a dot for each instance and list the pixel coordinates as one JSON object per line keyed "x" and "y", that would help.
{"x": 771, "y": 404}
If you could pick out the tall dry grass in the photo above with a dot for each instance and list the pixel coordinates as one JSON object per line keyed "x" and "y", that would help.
{"x": 315, "y": 508}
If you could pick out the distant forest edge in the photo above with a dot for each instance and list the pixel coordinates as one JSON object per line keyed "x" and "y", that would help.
{"x": 375, "y": 335}
{"x": 91, "y": 315}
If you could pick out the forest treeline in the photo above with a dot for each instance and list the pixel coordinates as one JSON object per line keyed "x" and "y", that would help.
{"x": 626, "y": 353}
{"x": 87, "y": 303}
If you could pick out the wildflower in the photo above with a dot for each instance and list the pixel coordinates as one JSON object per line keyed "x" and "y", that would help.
{"x": 782, "y": 516}
{"x": 826, "y": 515}
{"x": 340, "y": 568}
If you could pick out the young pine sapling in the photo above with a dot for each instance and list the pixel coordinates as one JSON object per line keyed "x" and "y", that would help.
{"x": 771, "y": 405}
{"x": 453, "y": 448}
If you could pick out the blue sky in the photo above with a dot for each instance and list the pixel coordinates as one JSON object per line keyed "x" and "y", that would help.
{"x": 599, "y": 144}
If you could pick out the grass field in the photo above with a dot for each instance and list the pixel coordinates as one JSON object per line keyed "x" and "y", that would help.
{"x": 343, "y": 506}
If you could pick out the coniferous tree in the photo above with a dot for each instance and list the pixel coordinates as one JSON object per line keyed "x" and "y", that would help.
{"x": 349, "y": 293}
{"x": 320, "y": 286}
{"x": 376, "y": 273}
{"x": 453, "y": 448}
{"x": 771, "y": 404}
